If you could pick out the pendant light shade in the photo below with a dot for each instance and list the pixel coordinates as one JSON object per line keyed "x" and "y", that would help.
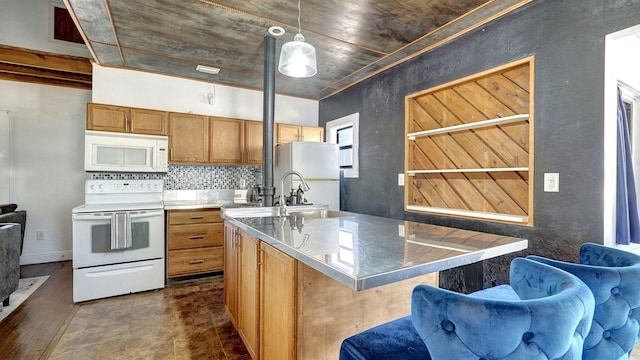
{"x": 298, "y": 58}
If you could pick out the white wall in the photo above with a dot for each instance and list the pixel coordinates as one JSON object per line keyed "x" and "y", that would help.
{"x": 5, "y": 157}
{"x": 27, "y": 24}
{"x": 47, "y": 152}
{"x": 153, "y": 91}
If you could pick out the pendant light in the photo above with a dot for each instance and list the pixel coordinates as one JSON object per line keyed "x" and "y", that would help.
{"x": 298, "y": 58}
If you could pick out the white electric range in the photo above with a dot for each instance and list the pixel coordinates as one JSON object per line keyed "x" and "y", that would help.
{"x": 118, "y": 239}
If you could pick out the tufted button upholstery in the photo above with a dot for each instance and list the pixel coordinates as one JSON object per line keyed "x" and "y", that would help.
{"x": 613, "y": 277}
{"x": 549, "y": 319}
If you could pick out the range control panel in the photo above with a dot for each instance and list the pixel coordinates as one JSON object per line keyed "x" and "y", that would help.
{"x": 123, "y": 186}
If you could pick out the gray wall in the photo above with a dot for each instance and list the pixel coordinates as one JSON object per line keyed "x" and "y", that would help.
{"x": 567, "y": 39}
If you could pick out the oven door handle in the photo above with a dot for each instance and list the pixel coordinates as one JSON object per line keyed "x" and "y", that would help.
{"x": 107, "y": 215}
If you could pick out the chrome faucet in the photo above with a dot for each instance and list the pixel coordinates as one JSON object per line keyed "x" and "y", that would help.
{"x": 283, "y": 202}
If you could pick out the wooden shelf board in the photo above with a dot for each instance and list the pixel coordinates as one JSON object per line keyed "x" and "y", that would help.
{"x": 469, "y": 126}
{"x": 469, "y": 213}
{"x": 441, "y": 171}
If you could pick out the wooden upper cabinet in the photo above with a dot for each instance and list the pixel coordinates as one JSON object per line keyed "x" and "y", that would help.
{"x": 253, "y": 142}
{"x": 107, "y": 117}
{"x": 115, "y": 118}
{"x": 235, "y": 141}
{"x": 226, "y": 141}
{"x": 312, "y": 134}
{"x": 188, "y": 138}
{"x": 150, "y": 122}
{"x": 286, "y": 133}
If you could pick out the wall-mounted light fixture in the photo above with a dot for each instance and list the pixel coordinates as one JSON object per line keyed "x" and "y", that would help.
{"x": 298, "y": 58}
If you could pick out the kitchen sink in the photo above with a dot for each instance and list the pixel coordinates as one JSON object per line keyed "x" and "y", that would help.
{"x": 298, "y": 210}
{"x": 310, "y": 214}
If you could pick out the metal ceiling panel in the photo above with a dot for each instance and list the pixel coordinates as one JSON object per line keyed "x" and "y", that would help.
{"x": 353, "y": 39}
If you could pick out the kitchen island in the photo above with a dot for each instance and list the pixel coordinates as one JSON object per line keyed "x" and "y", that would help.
{"x": 297, "y": 285}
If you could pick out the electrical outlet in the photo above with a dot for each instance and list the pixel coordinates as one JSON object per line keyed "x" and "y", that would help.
{"x": 401, "y": 230}
{"x": 400, "y": 179}
{"x": 551, "y": 182}
{"x": 39, "y": 235}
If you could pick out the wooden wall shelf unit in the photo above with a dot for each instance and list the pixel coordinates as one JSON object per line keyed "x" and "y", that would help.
{"x": 469, "y": 146}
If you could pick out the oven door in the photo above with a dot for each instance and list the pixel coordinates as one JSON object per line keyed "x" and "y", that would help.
{"x": 92, "y": 242}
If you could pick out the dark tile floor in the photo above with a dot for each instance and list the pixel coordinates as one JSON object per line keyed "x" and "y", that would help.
{"x": 183, "y": 321}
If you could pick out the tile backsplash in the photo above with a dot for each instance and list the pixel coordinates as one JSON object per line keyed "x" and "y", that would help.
{"x": 195, "y": 177}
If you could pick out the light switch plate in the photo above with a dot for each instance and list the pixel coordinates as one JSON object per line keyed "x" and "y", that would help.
{"x": 551, "y": 182}
{"x": 400, "y": 179}
{"x": 401, "y": 230}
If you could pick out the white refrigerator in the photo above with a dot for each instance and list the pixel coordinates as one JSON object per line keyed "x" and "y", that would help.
{"x": 318, "y": 163}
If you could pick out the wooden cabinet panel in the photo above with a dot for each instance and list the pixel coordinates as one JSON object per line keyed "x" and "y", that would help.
{"x": 286, "y": 133}
{"x": 312, "y": 134}
{"x": 103, "y": 117}
{"x": 194, "y": 261}
{"x": 189, "y": 236}
{"x": 277, "y": 304}
{"x": 226, "y": 141}
{"x": 115, "y": 118}
{"x": 231, "y": 273}
{"x": 253, "y": 142}
{"x": 248, "y": 293}
{"x": 193, "y": 216}
{"x": 188, "y": 138}
{"x": 150, "y": 122}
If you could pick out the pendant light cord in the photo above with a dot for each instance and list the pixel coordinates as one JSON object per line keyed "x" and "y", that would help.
{"x": 299, "y": 31}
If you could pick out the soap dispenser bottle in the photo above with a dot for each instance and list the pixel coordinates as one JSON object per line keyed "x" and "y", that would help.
{"x": 299, "y": 195}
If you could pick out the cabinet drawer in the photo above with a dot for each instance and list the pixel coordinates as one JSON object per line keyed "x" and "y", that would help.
{"x": 193, "y": 216}
{"x": 194, "y": 261}
{"x": 191, "y": 236}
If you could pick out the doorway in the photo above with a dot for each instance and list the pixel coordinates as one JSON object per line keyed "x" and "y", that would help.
{"x": 622, "y": 51}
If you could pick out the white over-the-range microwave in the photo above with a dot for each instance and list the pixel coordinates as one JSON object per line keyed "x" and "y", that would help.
{"x": 125, "y": 152}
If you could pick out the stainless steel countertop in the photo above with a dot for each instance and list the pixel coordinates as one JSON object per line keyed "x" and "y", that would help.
{"x": 203, "y": 199}
{"x": 205, "y": 204}
{"x": 363, "y": 251}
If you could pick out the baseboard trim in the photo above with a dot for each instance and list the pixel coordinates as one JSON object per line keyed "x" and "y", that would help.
{"x": 29, "y": 259}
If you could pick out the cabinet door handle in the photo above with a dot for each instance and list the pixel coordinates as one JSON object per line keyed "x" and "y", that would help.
{"x": 196, "y": 262}
{"x": 196, "y": 237}
{"x": 171, "y": 154}
{"x": 127, "y": 124}
{"x": 197, "y": 217}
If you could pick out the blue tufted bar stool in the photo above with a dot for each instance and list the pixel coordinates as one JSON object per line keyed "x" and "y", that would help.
{"x": 546, "y": 316}
{"x": 613, "y": 275}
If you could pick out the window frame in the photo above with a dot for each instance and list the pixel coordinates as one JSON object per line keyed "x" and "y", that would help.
{"x": 332, "y": 127}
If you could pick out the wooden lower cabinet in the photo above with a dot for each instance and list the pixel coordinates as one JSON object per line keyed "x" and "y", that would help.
{"x": 277, "y": 304}
{"x": 295, "y": 311}
{"x": 248, "y": 292}
{"x": 231, "y": 272}
{"x": 194, "y": 242}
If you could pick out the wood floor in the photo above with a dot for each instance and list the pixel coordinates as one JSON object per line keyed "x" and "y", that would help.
{"x": 182, "y": 321}
{"x": 35, "y": 325}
